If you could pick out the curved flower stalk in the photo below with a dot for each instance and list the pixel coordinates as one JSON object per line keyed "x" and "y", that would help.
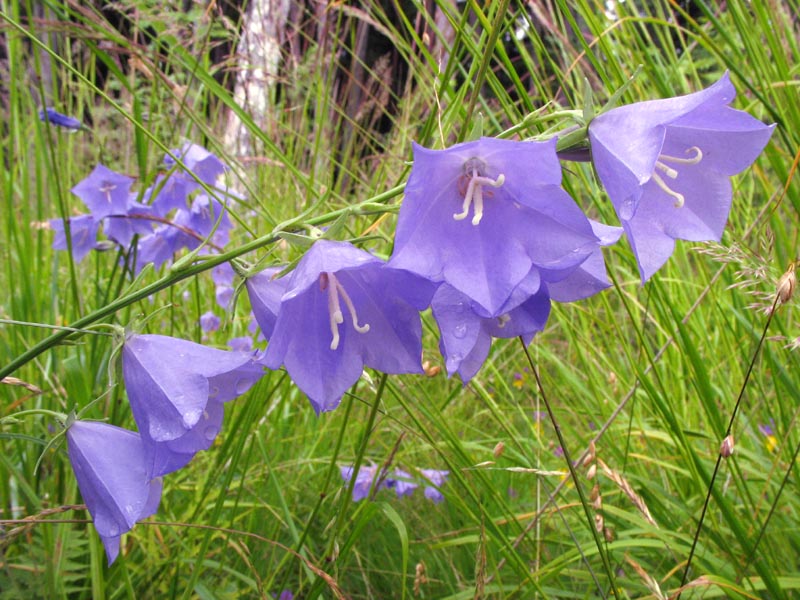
{"x": 481, "y": 216}
{"x": 467, "y": 329}
{"x": 110, "y": 466}
{"x": 177, "y": 389}
{"x": 341, "y": 309}
{"x": 666, "y": 166}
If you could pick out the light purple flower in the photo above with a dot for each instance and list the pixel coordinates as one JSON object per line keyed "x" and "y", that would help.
{"x": 121, "y": 227}
{"x": 241, "y": 344}
{"x": 265, "y": 293}
{"x": 467, "y": 330}
{"x": 113, "y": 478}
{"x": 104, "y": 192}
{"x": 666, "y": 166}
{"x": 438, "y": 479}
{"x": 344, "y": 309}
{"x": 170, "y": 192}
{"x": 200, "y": 161}
{"x": 209, "y": 322}
{"x": 83, "y": 235}
{"x": 481, "y": 216}
{"x": 223, "y": 294}
{"x": 366, "y": 475}
{"x": 56, "y": 118}
{"x": 402, "y": 483}
{"x": 176, "y": 389}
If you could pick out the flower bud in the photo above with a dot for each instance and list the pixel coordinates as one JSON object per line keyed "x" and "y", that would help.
{"x": 727, "y": 447}
{"x": 498, "y": 449}
{"x": 786, "y": 285}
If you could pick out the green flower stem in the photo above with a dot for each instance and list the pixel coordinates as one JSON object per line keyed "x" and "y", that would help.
{"x": 574, "y": 475}
{"x": 186, "y": 271}
{"x": 60, "y": 417}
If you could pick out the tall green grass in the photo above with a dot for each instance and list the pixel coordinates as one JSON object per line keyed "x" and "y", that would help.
{"x": 647, "y": 376}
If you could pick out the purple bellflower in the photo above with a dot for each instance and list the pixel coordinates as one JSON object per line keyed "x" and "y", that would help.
{"x": 481, "y": 216}
{"x": 110, "y": 467}
{"x": 467, "y": 329}
{"x": 342, "y": 309}
{"x": 83, "y": 235}
{"x": 121, "y": 228}
{"x": 437, "y": 479}
{"x": 209, "y": 322}
{"x": 104, "y": 192}
{"x": 205, "y": 165}
{"x": 666, "y": 166}
{"x": 56, "y": 118}
{"x": 366, "y": 475}
{"x": 402, "y": 483}
{"x": 177, "y": 389}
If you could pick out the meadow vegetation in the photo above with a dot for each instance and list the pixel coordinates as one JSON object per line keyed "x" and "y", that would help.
{"x": 641, "y": 382}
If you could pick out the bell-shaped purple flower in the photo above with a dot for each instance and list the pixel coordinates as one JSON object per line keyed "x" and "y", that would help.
{"x": 83, "y": 235}
{"x": 342, "y": 309}
{"x": 666, "y": 166}
{"x": 200, "y": 161}
{"x": 104, "y": 192}
{"x": 366, "y": 475}
{"x": 56, "y": 118}
{"x": 467, "y": 330}
{"x": 121, "y": 227}
{"x": 481, "y": 215}
{"x": 402, "y": 483}
{"x": 110, "y": 466}
{"x": 176, "y": 390}
{"x": 437, "y": 479}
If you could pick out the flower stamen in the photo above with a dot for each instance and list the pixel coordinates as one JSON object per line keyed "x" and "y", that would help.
{"x": 107, "y": 188}
{"x": 473, "y": 197}
{"x": 336, "y": 317}
{"x": 673, "y": 173}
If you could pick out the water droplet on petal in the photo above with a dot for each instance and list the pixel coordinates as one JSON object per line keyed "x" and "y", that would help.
{"x": 213, "y": 392}
{"x": 460, "y": 331}
{"x": 626, "y": 209}
{"x": 210, "y": 433}
{"x": 113, "y": 530}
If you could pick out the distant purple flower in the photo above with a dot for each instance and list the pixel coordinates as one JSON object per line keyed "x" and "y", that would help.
{"x": 121, "y": 227}
{"x": 767, "y": 429}
{"x": 241, "y": 344}
{"x": 265, "y": 293}
{"x": 209, "y": 322}
{"x": 483, "y": 215}
{"x": 104, "y": 192}
{"x": 402, "y": 483}
{"x": 438, "y": 479}
{"x": 223, "y": 274}
{"x": 56, "y": 118}
{"x": 113, "y": 478}
{"x": 467, "y": 330}
{"x": 200, "y": 161}
{"x": 666, "y": 166}
{"x": 83, "y": 234}
{"x": 344, "y": 309}
{"x": 171, "y": 192}
{"x": 223, "y": 295}
{"x": 366, "y": 475}
{"x": 286, "y": 595}
{"x": 176, "y": 389}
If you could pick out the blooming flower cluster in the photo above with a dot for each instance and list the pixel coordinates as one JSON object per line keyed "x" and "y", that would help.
{"x": 402, "y": 482}
{"x": 486, "y": 237}
{"x": 174, "y": 213}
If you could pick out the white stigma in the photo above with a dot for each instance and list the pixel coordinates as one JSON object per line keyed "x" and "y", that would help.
{"x": 336, "y": 317}
{"x": 473, "y": 196}
{"x": 673, "y": 173}
{"x": 107, "y": 189}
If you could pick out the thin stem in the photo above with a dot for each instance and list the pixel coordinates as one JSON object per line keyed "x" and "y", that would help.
{"x": 719, "y": 455}
{"x": 574, "y": 475}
